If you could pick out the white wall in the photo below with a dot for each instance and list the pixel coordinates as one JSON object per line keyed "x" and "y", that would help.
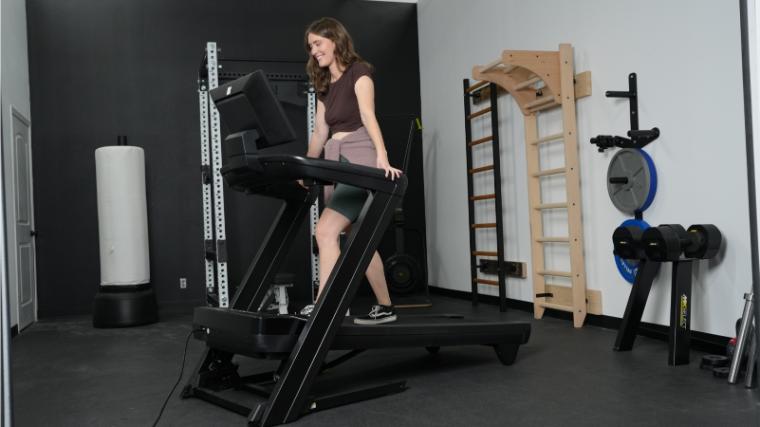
{"x": 15, "y": 89}
{"x": 687, "y": 56}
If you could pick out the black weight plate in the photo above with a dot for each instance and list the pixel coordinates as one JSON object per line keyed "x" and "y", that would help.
{"x": 403, "y": 273}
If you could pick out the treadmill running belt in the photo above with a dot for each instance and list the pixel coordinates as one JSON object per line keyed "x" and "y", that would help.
{"x": 265, "y": 335}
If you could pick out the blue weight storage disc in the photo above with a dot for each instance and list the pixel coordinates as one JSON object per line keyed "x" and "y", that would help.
{"x": 652, "y": 181}
{"x": 629, "y": 267}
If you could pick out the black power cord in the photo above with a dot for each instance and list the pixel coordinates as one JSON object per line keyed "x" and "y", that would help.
{"x": 181, "y": 371}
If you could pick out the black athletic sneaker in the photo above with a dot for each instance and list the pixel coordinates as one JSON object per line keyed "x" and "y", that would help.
{"x": 377, "y": 315}
{"x": 306, "y": 311}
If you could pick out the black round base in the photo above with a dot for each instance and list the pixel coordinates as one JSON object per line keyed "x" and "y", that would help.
{"x": 131, "y": 306}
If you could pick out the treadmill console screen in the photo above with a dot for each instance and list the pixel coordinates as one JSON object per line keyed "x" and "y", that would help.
{"x": 249, "y": 104}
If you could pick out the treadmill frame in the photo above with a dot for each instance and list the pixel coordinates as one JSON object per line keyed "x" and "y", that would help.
{"x": 290, "y": 397}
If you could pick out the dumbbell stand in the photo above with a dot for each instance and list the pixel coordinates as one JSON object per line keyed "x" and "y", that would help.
{"x": 679, "y": 335}
{"x": 636, "y": 302}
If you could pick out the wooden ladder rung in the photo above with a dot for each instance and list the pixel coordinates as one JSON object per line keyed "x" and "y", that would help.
{"x": 497, "y": 65}
{"x": 548, "y": 138}
{"x": 556, "y": 306}
{"x": 491, "y": 65}
{"x": 486, "y": 282}
{"x": 548, "y": 172}
{"x": 553, "y": 239}
{"x": 484, "y": 225}
{"x": 485, "y": 253}
{"x": 542, "y": 107}
{"x": 548, "y": 99}
{"x": 479, "y": 113}
{"x": 545, "y": 206}
{"x": 527, "y": 83}
{"x": 483, "y": 197}
{"x": 555, "y": 273}
{"x": 480, "y": 141}
{"x": 481, "y": 169}
{"x": 507, "y": 68}
{"x": 477, "y": 86}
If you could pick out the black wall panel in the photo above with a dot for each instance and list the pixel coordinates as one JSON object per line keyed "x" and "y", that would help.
{"x": 102, "y": 68}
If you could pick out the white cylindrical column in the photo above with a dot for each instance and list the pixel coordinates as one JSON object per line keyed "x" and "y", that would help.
{"x": 125, "y": 296}
{"x": 122, "y": 216}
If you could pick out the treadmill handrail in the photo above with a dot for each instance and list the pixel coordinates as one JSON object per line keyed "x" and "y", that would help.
{"x": 253, "y": 171}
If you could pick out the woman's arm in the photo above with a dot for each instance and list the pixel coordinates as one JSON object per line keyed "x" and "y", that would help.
{"x": 320, "y": 134}
{"x": 365, "y": 95}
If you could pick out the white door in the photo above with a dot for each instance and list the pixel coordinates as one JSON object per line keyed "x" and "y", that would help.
{"x": 25, "y": 251}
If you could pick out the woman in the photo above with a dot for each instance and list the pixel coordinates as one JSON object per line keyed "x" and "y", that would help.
{"x": 346, "y": 113}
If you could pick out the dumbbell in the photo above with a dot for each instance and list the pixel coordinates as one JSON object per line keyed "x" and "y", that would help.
{"x": 626, "y": 242}
{"x": 667, "y": 242}
{"x": 706, "y": 240}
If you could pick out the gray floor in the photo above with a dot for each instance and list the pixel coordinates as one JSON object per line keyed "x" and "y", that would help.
{"x": 65, "y": 373}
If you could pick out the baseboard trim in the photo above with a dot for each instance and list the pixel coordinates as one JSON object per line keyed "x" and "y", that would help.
{"x": 700, "y": 341}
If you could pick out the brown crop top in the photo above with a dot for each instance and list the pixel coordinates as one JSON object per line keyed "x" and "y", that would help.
{"x": 341, "y": 106}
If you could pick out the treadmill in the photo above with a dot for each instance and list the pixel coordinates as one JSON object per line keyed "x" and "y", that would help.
{"x": 258, "y": 124}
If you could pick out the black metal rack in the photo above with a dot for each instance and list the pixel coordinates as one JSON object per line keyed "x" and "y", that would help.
{"x": 637, "y": 138}
{"x": 499, "y": 266}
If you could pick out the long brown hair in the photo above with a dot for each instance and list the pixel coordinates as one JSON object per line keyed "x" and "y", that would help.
{"x": 345, "y": 54}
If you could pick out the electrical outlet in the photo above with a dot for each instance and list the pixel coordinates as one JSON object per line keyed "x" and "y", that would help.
{"x": 183, "y": 283}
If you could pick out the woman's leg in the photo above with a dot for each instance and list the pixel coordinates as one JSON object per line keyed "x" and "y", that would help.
{"x": 376, "y": 278}
{"x": 329, "y": 227}
{"x": 378, "y": 314}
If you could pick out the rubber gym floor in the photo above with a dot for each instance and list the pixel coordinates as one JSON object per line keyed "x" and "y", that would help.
{"x": 66, "y": 373}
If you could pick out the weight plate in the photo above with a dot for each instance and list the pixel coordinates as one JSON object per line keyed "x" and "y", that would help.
{"x": 631, "y": 180}
{"x": 721, "y": 372}
{"x": 403, "y": 274}
{"x": 629, "y": 267}
{"x": 710, "y": 361}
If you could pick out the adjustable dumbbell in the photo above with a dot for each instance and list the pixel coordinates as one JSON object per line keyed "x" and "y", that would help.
{"x": 663, "y": 243}
{"x": 666, "y": 242}
{"x": 626, "y": 241}
{"x": 706, "y": 240}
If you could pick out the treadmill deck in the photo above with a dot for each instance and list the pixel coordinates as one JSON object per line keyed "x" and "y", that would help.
{"x": 273, "y": 336}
